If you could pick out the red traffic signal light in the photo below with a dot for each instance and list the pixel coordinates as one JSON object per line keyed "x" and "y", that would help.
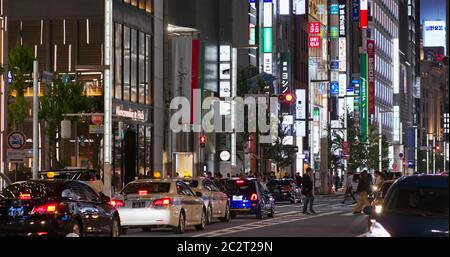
{"x": 287, "y": 98}
{"x": 202, "y": 140}
{"x": 438, "y": 148}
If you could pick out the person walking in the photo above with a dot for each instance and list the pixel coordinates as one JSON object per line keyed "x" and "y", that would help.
{"x": 298, "y": 179}
{"x": 307, "y": 191}
{"x": 349, "y": 191}
{"x": 363, "y": 191}
{"x": 336, "y": 182}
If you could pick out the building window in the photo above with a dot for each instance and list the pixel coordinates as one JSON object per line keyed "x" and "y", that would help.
{"x": 133, "y": 69}
{"x": 148, "y": 68}
{"x": 126, "y": 63}
{"x": 118, "y": 62}
{"x": 141, "y": 68}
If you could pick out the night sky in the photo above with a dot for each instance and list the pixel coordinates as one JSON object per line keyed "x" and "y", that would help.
{"x": 432, "y": 10}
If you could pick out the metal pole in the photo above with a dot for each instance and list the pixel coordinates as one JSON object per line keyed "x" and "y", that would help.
{"x": 380, "y": 143}
{"x": 428, "y": 155}
{"x": 35, "y": 119}
{"x": 233, "y": 107}
{"x": 434, "y": 154}
{"x": 445, "y": 153}
{"x": 415, "y": 150}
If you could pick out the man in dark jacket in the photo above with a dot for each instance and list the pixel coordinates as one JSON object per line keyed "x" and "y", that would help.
{"x": 363, "y": 190}
{"x": 307, "y": 191}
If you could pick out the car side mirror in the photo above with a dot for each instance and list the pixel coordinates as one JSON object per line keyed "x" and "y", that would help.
{"x": 199, "y": 194}
{"x": 369, "y": 210}
{"x": 104, "y": 198}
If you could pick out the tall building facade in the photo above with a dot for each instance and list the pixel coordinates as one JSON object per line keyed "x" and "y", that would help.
{"x": 384, "y": 31}
{"x": 110, "y": 48}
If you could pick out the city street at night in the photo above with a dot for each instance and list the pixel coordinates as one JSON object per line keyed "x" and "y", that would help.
{"x": 333, "y": 219}
{"x": 254, "y": 122}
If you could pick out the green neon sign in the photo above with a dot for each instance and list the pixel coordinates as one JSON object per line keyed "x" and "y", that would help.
{"x": 267, "y": 40}
{"x": 364, "y": 110}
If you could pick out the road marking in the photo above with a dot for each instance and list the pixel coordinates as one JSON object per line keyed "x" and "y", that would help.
{"x": 262, "y": 224}
{"x": 363, "y": 235}
{"x": 348, "y": 214}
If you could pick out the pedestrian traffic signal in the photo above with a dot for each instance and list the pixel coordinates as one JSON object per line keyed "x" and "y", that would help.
{"x": 202, "y": 140}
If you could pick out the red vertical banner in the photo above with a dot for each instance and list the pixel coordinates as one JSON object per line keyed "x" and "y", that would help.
{"x": 371, "y": 75}
{"x": 363, "y": 14}
{"x": 195, "y": 78}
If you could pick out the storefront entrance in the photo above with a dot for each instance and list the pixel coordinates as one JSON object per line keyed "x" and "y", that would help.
{"x": 130, "y": 153}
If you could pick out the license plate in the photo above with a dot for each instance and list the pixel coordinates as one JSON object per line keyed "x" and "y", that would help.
{"x": 138, "y": 205}
{"x": 237, "y": 197}
{"x": 16, "y": 212}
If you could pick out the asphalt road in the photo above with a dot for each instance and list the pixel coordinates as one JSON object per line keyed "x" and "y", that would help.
{"x": 333, "y": 219}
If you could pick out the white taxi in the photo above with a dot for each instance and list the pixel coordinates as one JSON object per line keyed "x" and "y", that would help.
{"x": 216, "y": 202}
{"x": 148, "y": 203}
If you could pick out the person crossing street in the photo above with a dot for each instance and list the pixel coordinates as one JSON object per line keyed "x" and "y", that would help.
{"x": 363, "y": 192}
{"x": 307, "y": 191}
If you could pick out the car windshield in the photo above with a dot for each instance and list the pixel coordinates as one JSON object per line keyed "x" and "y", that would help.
{"x": 426, "y": 202}
{"x": 241, "y": 187}
{"x": 191, "y": 183}
{"x": 149, "y": 187}
{"x": 32, "y": 189}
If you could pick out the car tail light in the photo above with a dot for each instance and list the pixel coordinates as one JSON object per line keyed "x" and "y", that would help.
{"x": 239, "y": 182}
{"x": 254, "y": 197}
{"x": 142, "y": 192}
{"x": 50, "y": 208}
{"x": 162, "y": 202}
{"x": 24, "y": 197}
{"x": 117, "y": 203}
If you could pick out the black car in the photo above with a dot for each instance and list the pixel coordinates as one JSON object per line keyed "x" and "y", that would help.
{"x": 414, "y": 206}
{"x": 249, "y": 196}
{"x": 56, "y": 208}
{"x": 285, "y": 190}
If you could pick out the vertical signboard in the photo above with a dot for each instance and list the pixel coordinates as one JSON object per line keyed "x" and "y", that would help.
{"x": 363, "y": 14}
{"x": 267, "y": 66}
{"x": 342, "y": 19}
{"x": 355, "y": 10}
{"x": 267, "y": 40}
{"x": 284, "y": 7}
{"x": 300, "y": 104}
{"x": 371, "y": 76}
{"x": 342, "y": 54}
{"x": 225, "y": 64}
{"x": 364, "y": 119}
{"x": 299, "y": 7}
{"x": 285, "y": 62}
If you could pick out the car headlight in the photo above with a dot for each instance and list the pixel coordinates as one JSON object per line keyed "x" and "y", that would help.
{"x": 378, "y": 209}
{"x": 377, "y": 230}
{"x": 374, "y": 188}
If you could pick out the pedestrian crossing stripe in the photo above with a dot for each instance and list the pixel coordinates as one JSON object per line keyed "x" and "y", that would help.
{"x": 261, "y": 224}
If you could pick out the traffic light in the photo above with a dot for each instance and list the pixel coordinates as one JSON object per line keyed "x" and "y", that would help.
{"x": 438, "y": 149}
{"x": 202, "y": 140}
{"x": 286, "y": 98}
{"x": 286, "y": 101}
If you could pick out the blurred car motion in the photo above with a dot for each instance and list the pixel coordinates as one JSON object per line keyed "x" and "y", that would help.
{"x": 414, "y": 206}
{"x": 150, "y": 203}
{"x": 56, "y": 208}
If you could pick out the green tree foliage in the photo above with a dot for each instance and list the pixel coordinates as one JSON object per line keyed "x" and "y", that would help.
{"x": 374, "y": 151}
{"x": 61, "y": 98}
{"x": 281, "y": 155}
{"x": 357, "y": 151}
{"x": 20, "y": 59}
